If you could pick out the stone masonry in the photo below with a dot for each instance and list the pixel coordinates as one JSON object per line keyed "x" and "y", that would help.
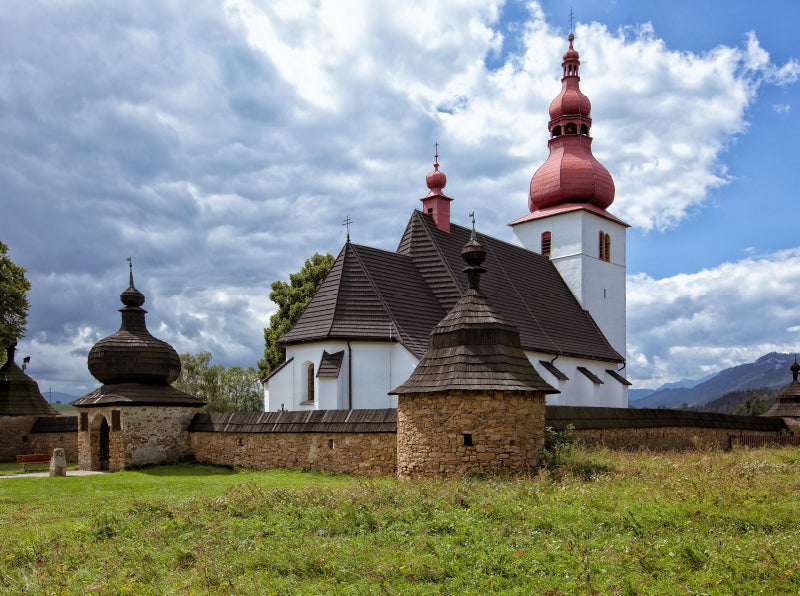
{"x": 363, "y": 454}
{"x": 459, "y": 432}
{"x": 147, "y": 435}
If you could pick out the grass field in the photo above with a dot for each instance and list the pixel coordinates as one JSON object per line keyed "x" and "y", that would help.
{"x": 600, "y": 523}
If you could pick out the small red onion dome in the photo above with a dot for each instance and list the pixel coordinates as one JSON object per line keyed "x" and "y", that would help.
{"x": 571, "y": 173}
{"x": 436, "y": 180}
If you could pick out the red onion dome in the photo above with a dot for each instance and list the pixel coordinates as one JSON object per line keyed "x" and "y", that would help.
{"x": 436, "y": 180}
{"x": 132, "y": 355}
{"x": 571, "y": 173}
{"x": 570, "y": 101}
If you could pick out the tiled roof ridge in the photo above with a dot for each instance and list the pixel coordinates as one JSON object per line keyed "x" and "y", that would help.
{"x": 419, "y": 214}
{"x": 409, "y": 342}
{"x": 342, "y": 253}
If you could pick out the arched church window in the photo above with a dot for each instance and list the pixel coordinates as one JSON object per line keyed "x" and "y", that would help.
{"x": 308, "y": 384}
{"x": 608, "y": 247}
{"x": 556, "y": 131}
{"x": 584, "y": 129}
{"x": 546, "y": 238}
{"x": 571, "y": 129}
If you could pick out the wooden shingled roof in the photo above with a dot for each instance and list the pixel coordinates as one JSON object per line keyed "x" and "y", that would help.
{"x": 305, "y": 421}
{"x": 473, "y": 348}
{"x": 19, "y": 394}
{"x": 582, "y": 418}
{"x": 137, "y": 394}
{"x": 371, "y": 294}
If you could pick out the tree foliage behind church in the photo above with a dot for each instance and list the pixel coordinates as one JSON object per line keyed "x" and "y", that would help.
{"x": 232, "y": 389}
{"x": 292, "y": 299}
{"x": 13, "y": 300}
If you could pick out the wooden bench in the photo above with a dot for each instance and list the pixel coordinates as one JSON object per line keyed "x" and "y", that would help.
{"x": 33, "y": 458}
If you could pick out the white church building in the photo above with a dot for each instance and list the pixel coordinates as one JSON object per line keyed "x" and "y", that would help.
{"x": 561, "y": 282}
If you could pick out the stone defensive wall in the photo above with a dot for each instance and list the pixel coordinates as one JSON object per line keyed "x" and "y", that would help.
{"x": 666, "y": 430}
{"x": 23, "y": 435}
{"x": 362, "y": 442}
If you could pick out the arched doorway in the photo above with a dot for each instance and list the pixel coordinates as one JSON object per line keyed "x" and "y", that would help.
{"x": 104, "y": 449}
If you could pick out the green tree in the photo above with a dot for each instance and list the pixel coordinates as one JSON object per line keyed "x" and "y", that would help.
{"x": 292, "y": 299}
{"x": 754, "y": 406}
{"x": 13, "y": 301}
{"x": 233, "y": 389}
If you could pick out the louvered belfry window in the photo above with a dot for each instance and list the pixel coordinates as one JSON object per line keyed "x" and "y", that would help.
{"x": 605, "y": 246}
{"x": 546, "y": 238}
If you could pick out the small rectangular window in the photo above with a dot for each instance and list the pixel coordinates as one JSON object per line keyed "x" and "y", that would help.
{"x": 84, "y": 421}
{"x": 115, "y": 420}
{"x": 467, "y": 439}
{"x": 546, "y": 242}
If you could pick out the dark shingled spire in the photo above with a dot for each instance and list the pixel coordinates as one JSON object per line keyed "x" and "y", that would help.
{"x": 473, "y": 348}
{"x": 787, "y": 403}
{"x": 134, "y": 367}
{"x": 19, "y": 394}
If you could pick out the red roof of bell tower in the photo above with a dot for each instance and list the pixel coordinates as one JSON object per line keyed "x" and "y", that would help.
{"x": 436, "y": 203}
{"x": 571, "y": 174}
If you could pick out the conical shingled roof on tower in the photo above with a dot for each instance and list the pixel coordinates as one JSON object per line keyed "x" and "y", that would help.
{"x": 787, "y": 403}
{"x": 135, "y": 367}
{"x": 473, "y": 348}
{"x": 19, "y": 394}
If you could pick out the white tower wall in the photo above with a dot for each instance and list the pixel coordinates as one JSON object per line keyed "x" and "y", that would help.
{"x": 598, "y": 285}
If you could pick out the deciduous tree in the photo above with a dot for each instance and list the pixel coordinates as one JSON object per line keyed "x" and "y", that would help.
{"x": 14, "y": 304}
{"x": 232, "y": 389}
{"x": 292, "y": 299}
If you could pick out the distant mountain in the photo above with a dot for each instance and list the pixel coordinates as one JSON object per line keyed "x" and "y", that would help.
{"x": 728, "y": 403}
{"x": 771, "y": 370}
{"x": 637, "y": 394}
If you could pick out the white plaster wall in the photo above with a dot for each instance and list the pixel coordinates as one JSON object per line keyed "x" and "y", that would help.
{"x": 579, "y": 390}
{"x": 378, "y": 367}
{"x": 598, "y": 285}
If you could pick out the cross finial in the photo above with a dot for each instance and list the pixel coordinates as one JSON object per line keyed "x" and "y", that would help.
{"x": 347, "y": 222}
{"x": 472, "y": 215}
{"x": 130, "y": 270}
{"x": 571, "y": 16}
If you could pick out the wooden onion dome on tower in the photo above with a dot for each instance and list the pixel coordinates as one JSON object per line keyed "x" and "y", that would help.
{"x": 571, "y": 174}
{"x": 134, "y": 367}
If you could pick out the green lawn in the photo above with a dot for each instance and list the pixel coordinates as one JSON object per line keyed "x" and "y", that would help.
{"x": 601, "y": 523}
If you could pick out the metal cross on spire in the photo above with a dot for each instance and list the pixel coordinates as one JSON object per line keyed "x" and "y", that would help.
{"x": 130, "y": 270}
{"x": 472, "y": 215}
{"x": 347, "y": 222}
{"x": 571, "y": 16}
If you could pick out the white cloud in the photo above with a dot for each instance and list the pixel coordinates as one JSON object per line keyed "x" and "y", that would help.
{"x": 689, "y": 325}
{"x": 781, "y": 108}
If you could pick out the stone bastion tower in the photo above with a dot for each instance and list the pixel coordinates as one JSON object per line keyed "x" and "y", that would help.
{"x": 474, "y": 403}
{"x": 136, "y": 417}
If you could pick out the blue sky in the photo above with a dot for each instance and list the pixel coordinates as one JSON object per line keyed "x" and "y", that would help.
{"x": 221, "y": 143}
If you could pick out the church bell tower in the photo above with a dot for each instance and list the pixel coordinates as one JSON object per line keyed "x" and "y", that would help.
{"x": 568, "y": 221}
